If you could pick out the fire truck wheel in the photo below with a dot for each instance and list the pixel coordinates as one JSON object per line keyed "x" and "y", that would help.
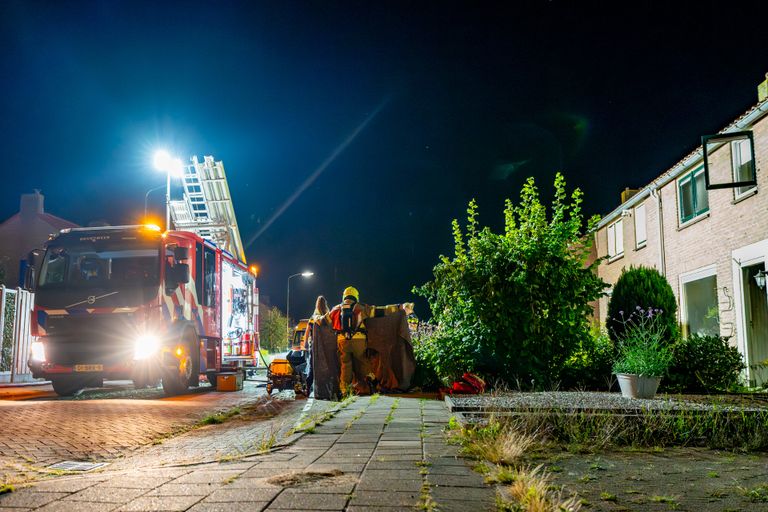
{"x": 177, "y": 379}
{"x": 66, "y": 386}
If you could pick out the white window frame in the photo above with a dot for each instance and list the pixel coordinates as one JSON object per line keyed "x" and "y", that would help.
{"x": 615, "y": 244}
{"x": 736, "y": 162}
{"x": 640, "y": 220}
{"x": 687, "y": 277}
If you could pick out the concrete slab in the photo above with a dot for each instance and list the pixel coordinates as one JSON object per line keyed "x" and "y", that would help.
{"x": 298, "y": 500}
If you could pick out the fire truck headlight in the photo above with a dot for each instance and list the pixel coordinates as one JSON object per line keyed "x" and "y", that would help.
{"x": 37, "y": 351}
{"x": 145, "y": 346}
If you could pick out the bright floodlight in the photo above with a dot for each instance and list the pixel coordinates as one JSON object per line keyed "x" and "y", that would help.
{"x": 307, "y": 274}
{"x": 162, "y": 160}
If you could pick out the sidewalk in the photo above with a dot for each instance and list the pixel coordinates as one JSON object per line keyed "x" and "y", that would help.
{"x": 382, "y": 454}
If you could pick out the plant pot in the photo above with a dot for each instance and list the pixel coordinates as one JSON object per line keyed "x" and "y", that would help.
{"x": 637, "y": 386}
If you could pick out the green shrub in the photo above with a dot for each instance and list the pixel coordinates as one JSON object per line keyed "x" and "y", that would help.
{"x": 704, "y": 364}
{"x": 641, "y": 288}
{"x": 589, "y": 366}
{"x": 514, "y": 306}
{"x": 426, "y": 352}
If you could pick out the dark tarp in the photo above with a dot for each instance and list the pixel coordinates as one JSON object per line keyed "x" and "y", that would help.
{"x": 389, "y": 347}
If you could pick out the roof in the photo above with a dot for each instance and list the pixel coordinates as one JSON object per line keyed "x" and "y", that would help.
{"x": 57, "y": 223}
{"x": 744, "y": 121}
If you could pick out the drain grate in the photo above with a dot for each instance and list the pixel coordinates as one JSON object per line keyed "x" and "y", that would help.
{"x": 73, "y": 465}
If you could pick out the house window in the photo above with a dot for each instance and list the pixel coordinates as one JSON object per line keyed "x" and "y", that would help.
{"x": 743, "y": 165}
{"x": 692, "y": 190}
{"x": 701, "y": 310}
{"x": 640, "y": 232}
{"x": 615, "y": 239}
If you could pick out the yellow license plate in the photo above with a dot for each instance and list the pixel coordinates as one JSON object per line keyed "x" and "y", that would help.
{"x": 89, "y": 367}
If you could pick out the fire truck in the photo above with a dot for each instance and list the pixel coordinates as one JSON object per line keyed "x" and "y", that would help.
{"x": 132, "y": 302}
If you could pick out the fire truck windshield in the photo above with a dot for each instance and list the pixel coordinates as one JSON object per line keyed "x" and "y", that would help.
{"x": 112, "y": 265}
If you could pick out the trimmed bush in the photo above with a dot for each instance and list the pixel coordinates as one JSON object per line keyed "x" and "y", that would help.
{"x": 641, "y": 288}
{"x": 704, "y": 364}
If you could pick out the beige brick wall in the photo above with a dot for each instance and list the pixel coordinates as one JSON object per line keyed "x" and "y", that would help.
{"x": 707, "y": 240}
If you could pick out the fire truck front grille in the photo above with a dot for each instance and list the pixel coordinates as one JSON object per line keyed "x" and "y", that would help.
{"x": 103, "y": 339}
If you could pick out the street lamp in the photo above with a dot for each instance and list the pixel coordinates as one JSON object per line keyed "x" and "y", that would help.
{"x": 288, "y": 303}
{"x": 170, "y": 166}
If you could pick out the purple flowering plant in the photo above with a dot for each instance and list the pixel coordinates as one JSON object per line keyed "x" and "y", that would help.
{"x": 642, "y": 349}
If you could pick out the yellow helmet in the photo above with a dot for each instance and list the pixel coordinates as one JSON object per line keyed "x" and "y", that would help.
{"x": 351, "y": 291}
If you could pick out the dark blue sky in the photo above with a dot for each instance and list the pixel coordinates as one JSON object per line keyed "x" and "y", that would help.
{"x": 480, "y": 97}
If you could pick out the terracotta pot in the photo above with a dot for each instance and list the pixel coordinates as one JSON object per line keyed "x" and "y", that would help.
{"x": 638, "y": 386}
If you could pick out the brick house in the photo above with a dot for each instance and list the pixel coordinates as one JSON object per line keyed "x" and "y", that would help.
{"x": 26, "y": 230}
{"x": 710, "y": 244}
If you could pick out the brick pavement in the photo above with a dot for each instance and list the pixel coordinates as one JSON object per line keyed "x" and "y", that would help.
{"x": 381, "y": 454}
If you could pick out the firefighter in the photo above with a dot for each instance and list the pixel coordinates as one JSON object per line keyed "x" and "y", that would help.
{"x": 348, "y": 320}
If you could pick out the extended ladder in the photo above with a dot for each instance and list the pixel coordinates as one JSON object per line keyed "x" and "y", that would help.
{"x": 206, "y": 207}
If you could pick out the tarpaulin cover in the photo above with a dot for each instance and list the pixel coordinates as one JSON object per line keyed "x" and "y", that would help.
{"x": 389, "y": 347}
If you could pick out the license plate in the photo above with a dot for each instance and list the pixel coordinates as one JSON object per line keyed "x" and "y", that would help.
{"x": 89, "y": 367}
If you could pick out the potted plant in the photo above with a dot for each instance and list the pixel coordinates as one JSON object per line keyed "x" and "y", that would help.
{"x": 644, "y": 354}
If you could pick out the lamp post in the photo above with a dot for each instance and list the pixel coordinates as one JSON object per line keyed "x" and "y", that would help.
{"x": 169, "y": 165}
{"x": 288, "y": 303}
{"x": 146, "y": 199}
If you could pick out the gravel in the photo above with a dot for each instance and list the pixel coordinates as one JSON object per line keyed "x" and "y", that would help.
{"x": 578, "y": 401}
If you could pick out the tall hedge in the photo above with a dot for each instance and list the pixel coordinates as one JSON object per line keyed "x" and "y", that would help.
{"x": 514, "y": 306}
{"x": 645, "y": 288}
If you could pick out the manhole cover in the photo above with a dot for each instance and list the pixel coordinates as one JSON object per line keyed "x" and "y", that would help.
{"x": 73, "y": 465}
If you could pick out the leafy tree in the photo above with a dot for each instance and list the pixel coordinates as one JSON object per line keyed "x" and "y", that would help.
{"x": 641, "y": 288}
{"x": 514, "y": 305}
{"x": 272, "y": 330}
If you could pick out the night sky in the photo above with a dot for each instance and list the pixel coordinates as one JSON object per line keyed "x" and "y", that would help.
{"x": 473, "y": 98}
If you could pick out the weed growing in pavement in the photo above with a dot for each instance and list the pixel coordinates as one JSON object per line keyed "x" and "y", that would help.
{"x": 713, "y": 474}
{"x": 532, "y": 490}
{"x": 606, "y": 496}
{"x": 374, "y": 398}
{"x": 6, "y": 488}
{"x": 664, "y": 499}
{"x": 426, "y": 502}
{"x": 757, "y": 494}
{"x": 496, "y": 442}
{"x": 219, "y": 417}
{"x": 500, "y": 475}
{"x": 392, "y": 410}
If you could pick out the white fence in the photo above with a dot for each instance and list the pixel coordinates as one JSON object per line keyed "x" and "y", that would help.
{"x": 15, "y": 314}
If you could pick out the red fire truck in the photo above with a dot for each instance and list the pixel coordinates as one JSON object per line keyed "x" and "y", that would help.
{"x": 130, "y": 302}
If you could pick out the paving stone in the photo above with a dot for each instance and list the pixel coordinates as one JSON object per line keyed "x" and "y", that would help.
{"x": 243, "y": 495}
{"x": 213, "y": 477}
{"x": 154, "y": 503}
{"x": 135, "y": 482}
{"x": 64, "y": 485}
{"x": 451, "y": 470}
{"x": 386, "y": 498}
{"x": 227, "y": 507}
{"x": 389, "y": 485}
{"x": 465, "y": 480}
{"x": 441, "y": 494}
{"x": 467, "y": 505}
{"x": 367, "y": 508}
{"x": 346, "y": 468}
{"x": 302, "y": 500}
{"x": 99, "y": 494}
{"x": 384, "y": 474}
{"x": 29, "y": 498}
{"x": 73, "y": 506}
{"x": 174, "y": 489}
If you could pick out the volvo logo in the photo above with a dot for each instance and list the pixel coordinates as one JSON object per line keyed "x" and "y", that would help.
{"x": 91, "y": 299}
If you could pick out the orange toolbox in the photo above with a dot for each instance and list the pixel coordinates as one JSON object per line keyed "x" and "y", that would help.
{"x": 229, "y": 381}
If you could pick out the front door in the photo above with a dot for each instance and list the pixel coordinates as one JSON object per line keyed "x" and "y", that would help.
{"x": 756, "y": 328}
